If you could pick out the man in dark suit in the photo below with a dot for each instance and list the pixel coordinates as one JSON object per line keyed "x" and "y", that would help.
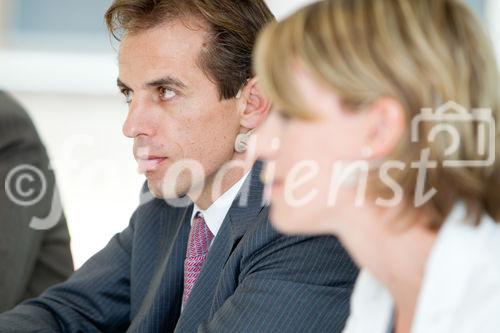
{"x": 202, "y": 255}
{"x": 30, "y": 260}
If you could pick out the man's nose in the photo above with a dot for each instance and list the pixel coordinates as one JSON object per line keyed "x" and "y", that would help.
{"x": 140, "y": 119}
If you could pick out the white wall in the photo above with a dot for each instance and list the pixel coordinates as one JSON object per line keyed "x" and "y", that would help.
{"x": 93, "y": 162}
{"x": 282, "y": 8}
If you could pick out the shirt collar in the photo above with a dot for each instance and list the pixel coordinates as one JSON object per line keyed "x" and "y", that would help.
{"x": 448, "y": 272}
{"x": 215, "y": 214}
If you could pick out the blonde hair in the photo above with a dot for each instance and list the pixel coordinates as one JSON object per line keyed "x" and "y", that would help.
{"x": 420, "y": 53}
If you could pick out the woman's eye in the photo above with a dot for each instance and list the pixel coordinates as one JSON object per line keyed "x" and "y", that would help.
{"x": 167, "y": 94}
{"x": 284, "y": 117}
{"x": 128, "y": 95}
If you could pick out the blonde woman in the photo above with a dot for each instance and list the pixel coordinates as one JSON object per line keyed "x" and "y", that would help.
{"x": 386, "y": 141}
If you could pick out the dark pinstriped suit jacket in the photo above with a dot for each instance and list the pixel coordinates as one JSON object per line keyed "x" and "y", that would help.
{"x": 253, "y": 280}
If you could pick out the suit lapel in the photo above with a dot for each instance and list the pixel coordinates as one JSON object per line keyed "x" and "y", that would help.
{"x": 247, "y": 206}
{"x": 242, "y": 214}
{"x": 162, "y": 304}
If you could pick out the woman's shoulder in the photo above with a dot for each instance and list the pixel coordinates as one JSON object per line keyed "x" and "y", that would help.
{"x": 478, "y": 244}
{"x": 461, "y": 285}
{"x": 464, "y": 249}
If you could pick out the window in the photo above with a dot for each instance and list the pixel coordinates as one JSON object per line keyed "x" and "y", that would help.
{"x": 57, "y": 25}
{"x": 57, "y": 46}
{"x": 478, "y": 6}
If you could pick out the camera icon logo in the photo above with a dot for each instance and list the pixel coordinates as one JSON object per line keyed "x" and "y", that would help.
{"x": 447, "y": 119}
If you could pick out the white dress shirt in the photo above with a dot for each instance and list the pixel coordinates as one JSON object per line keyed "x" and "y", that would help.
{"x": 216, "y": 213}
{"x": 460, "y": 290}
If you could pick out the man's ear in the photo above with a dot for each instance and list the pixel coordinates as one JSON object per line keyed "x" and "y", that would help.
{"x": 387, "y": 126}
{"x": 253, "y": 105}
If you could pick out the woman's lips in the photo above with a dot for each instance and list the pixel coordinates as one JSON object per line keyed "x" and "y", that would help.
{"x": 149, "y": 164}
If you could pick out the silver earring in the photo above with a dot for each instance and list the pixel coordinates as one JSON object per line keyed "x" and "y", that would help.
{"x": 241, "y": 142}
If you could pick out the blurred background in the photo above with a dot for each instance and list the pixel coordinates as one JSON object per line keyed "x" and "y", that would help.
{"x": 57, "y": 59}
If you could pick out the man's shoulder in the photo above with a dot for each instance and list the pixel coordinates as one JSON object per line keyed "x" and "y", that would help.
{"x": 16, "y": 127}
{"x": 11, "y": 110}
{"x": 263, "y": 239}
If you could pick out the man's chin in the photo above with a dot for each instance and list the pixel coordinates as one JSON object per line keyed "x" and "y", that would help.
{"x": 158, "y": 192}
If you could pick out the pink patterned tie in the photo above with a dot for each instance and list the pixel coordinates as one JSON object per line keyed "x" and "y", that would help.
{"x": 199, "y": 241}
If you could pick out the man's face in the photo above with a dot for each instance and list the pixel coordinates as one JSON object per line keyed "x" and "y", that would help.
{"x": 175, "y": 112}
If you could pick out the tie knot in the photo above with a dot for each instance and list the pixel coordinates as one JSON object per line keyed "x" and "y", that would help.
{"x": 200, "y": 237}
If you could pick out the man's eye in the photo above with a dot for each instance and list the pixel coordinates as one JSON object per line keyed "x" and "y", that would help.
{"x": 167, "y": 94}
{"x": 128, "y": 95}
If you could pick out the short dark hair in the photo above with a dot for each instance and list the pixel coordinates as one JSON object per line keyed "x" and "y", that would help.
{"x": 233, "y": 26}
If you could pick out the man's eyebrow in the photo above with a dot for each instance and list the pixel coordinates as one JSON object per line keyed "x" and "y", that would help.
{"x": 167, "y": 81}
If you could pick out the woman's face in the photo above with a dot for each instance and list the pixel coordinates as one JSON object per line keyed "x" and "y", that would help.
{"x": 301, "y": 173}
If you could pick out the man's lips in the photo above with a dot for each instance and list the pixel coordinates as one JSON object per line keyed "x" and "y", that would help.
{"x": 148, "y": 164}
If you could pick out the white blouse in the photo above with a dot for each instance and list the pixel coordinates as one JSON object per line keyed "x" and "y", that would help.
{"x": 460, "y": 290}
